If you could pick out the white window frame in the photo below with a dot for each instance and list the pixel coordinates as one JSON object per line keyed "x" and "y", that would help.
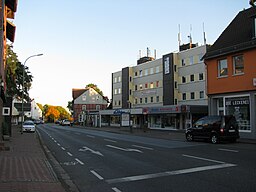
{"x": 235, "y": 72}
{"x": 220, "y": 67}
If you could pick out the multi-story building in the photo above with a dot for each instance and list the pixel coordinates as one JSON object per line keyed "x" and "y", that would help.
{"x": 86, "y": 105}
{"x": 163, "y": 93}
{"x": 231, "y": 72}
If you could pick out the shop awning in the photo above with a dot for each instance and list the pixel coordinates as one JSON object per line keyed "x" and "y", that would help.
{"x": 10, "y": 31}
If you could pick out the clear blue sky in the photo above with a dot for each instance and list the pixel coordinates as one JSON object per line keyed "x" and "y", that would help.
{"x": 85, "y": 41}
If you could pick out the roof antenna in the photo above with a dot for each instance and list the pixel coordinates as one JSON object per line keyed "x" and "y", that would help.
{"x": 204, "y": 35}
{"x": 179, "y": 38}
{"x": 190, "y": 37}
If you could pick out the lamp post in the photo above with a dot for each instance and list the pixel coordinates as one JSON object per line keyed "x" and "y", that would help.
{"x": 23, "y": 79}
{"x": 130, "y": 126}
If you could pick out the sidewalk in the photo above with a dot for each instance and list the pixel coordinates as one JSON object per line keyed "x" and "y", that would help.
{"x": 25, "y": 168}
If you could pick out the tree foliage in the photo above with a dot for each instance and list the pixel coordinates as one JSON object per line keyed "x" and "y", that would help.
{"x": 52, "y": 113}
{"x": 95, "y": 87}
{"x": 14, "y": 76}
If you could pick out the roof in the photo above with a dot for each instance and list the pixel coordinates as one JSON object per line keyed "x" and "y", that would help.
{"x": 238, "y": 36}
{"x": 77, "y": 92}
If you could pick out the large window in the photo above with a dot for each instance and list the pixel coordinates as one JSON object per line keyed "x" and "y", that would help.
{"x": 238, "y": 64}
{"x": 222, "y": 68}
{"x": 240, "y": 108}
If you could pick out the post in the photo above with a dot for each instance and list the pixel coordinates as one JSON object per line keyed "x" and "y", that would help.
{"x": 23, "y": 83}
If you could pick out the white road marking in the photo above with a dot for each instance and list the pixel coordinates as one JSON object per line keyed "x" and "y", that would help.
{"x": 142, "y": 147}
{"x": 91, "y": 136}
{"x": 169, "y": 173}
{"x": 70, "y": 154}
{"x": 116, "y": 190}
{"x": 63, "y": 148}
{"x": 229, "y": 150}
{"x": 79, "y": 161}
{"x": 122, "y": 149}
{"x": 113, "y": 141}
{"x": 204, "y": 159}
{"x": 58, "y": 144}
{"x": 97, "y": 175}
{"x": 92, "y": 151}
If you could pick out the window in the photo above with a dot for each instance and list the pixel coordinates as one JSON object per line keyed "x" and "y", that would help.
{"x": 97, "y": 97}
{"x": 183, "y": 79}
{"x": 130, "y": 79}
{"x": 146, "y": 72}
{"x": 130, "y": 92}
{"x": 136, "y": 101}
{"x": 157, "y": 83}
{"x": 136, "y": 74}
{"x": 157, "y": 69}
{"x": 97, "y": 107}
{"x": 192, "y": 95}
{"x": 201, "y": 76}
{"x": 192, "y": 78}
{"x": 146, "y": 85}
{"x": 238, "y": 64}
{"x": 175, "y": 68}
{"x": 119, "y": 102}
{"x": 84, "y": 97}
{"x": 115, "y": 79}
{"x": 157, "y": 99}
{"x": 119, "y": 90}
{"x": 175, "y": 102}
{"x": 151, "y": 85}
{"x": 183, "y": 63}
{"x": 184, "y": 96}
{"x": 191, "y": 59}
{"x": 151, "y": 99}
{"x": 175, "y": 85}
{"x": 151, "y": 71}
{"x": 140, "y": 86}
{"x": 119, "y": 79}
{"x": 201, "y": 94}
{"x": 140, "y": 100}
{"x": 136, "y": 87}
{"x": 115, "y": 91}
{"x": 140, "y": 73}
{"x": 146, "y": 100}
{"x": 222, "y": 68}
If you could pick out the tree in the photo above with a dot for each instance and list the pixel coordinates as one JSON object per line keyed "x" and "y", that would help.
{"x": 95, "y": 87}
{"x": 14, "y": 76}
{"x": 52, "y": 114}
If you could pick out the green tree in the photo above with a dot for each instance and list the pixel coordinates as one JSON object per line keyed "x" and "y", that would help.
{"x": 14, "y": 76}
{"x": 95, "y": 87}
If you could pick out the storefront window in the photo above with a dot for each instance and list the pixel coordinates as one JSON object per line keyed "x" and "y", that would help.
{"x": 240, "y": 108}
{"x": 115, "y": 120}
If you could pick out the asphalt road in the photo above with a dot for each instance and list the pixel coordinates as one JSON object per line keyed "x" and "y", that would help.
{"x": 99, "y": 161}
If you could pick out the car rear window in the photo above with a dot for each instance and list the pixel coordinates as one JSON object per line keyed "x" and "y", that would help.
{"x": 28, "y": 123}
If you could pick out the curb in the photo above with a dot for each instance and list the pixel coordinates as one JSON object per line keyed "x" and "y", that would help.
{"x": 60, "y": 173}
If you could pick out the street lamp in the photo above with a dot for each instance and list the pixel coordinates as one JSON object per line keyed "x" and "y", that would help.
{"x": 23, "y": 74}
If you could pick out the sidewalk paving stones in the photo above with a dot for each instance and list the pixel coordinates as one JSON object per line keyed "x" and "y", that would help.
{"x": 25, "y": 168}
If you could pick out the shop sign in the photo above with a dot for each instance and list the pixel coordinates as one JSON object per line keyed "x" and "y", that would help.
{"x": 237, "y": 101}
{"x": 171, "y": 109}
{"x": 118, "y": 112}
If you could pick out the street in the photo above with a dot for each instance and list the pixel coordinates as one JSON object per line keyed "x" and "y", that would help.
{"x": 100, "y": 161}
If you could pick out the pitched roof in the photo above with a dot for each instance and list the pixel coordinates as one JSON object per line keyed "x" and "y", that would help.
{"x": 77, "y": 92}
{"x": 238, "y": 36}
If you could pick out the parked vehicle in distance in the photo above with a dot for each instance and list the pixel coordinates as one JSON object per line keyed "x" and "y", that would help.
{"x": 37, "y": 121}
{"x": 214, "y": 128}
{"x": 58, "y": 121}
{"x": 65, "y": 122}
{"x": 28, "y": 126}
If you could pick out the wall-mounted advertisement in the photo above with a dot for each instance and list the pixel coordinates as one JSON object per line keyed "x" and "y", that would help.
{"x": 240, "y": 108}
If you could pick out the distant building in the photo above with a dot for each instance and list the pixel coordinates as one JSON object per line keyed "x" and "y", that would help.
{"x": 86, "y": 104}
{"x": 162, "y": 93}
{"x": 231, "y": 72}
{"x": 36, "y": 112}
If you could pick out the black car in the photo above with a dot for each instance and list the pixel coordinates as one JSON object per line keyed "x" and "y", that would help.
{"x": 215, "y": 128}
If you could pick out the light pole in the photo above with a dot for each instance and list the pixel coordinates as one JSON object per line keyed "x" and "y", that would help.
{"x": 23, "y": 78}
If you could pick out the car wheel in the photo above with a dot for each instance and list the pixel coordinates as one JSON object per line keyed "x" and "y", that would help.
{"x": 214, "y": 139}
{"x": 189, "y": 137}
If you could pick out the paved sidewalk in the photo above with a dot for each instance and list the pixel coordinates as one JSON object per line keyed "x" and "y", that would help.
{"x": 25, "y": 168}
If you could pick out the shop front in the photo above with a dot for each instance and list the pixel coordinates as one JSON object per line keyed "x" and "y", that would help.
{"x": 241, "y": 106}
{"x": 174, "y": 116}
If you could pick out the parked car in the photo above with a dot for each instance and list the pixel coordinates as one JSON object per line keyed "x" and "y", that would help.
{"x": 58, "y": 121}
{"x": 37, "y": 121}
{"x": 214, "y": 128}
{"x": 28, "y": 126}
{"x": 65, "y": 122}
